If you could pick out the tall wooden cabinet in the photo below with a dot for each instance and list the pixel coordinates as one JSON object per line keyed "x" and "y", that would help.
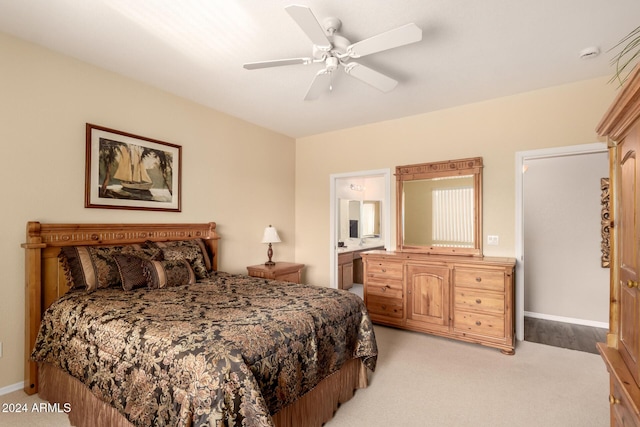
{"x": 461, "y": 297}
{"x": 621, "y": 126}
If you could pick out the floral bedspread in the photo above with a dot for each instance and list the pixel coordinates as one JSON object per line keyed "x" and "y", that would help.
{"x": 229, "y": 350}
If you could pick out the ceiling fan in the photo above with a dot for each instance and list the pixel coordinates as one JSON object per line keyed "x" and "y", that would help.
{"x": 333, "y": 50}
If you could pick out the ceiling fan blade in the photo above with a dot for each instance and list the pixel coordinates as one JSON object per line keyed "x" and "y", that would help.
{"x": 310, "y": 25}
{"x": 319, "y": 85}
{"x": 371, "y": 77}
{"x": 277, "y": 63}
{"x": 400, "y": 36}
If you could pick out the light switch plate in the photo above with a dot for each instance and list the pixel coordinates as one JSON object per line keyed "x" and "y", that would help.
{"x": 493, "y": 240}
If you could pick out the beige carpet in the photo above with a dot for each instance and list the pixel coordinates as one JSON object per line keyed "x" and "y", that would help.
{"x": 423, "y": 380}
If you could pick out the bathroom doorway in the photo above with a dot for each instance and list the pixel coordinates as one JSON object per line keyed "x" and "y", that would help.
{"x": 372, "y": 185}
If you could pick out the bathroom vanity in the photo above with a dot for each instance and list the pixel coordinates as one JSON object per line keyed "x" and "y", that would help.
{"x": 359, "y": 230}
{"x": 350, "y": 268}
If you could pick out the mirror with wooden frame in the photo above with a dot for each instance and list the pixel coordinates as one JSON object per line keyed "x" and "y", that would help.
{"x": 439, "y": 207}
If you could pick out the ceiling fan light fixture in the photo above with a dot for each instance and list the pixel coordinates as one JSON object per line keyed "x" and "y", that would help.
{"x": 333, "y": 50}
{"x": 332, "y": 63}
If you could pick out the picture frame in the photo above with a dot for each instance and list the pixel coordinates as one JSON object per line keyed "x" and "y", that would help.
{"x": 126, "y": 171}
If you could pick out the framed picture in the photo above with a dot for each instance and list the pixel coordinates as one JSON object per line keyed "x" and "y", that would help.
{"x": 125, "y": 171}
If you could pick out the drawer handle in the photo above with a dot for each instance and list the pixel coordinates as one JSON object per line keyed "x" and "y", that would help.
{"x": 478, "y": 279}
{"x": 632, "y": 284}
{"x": 478, "y": 323}
{"x": 384, "y": 307}
{"x": 478, "y": 301}
{"x": 384, "y": 270}
{"x": 613, "y": 400}
{"x": 384, "y": 288}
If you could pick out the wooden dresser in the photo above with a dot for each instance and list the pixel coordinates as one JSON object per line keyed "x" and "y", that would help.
{"x": 460, "y": 297}
{"x": 621, "y": 353}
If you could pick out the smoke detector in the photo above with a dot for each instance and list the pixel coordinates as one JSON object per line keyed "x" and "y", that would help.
{"x": 590, "y": 52}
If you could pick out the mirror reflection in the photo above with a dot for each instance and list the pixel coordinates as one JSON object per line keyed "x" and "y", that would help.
{"x": 439, "y": 212}
{"x": 359, "y": 219}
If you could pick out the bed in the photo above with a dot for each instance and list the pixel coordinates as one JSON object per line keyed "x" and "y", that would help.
{"x": 194, "y": 346}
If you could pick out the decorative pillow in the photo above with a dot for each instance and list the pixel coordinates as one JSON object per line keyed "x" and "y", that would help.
{"x": 194, "y": 251}
{"x": 205, "y": 253}
{"x": 77, "y": 267}
{"x": 169, "y": 273}
{"x": 94, "y": 267}
{"x": 131, "y": 270}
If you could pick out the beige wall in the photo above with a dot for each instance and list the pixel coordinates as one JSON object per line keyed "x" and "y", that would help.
{"x": 495, "y": 130}
{"x": 234, "y": 173}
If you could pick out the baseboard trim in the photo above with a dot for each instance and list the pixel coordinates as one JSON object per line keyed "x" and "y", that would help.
{"x": 593, "y": 323}
{"x": 11, "y": 388}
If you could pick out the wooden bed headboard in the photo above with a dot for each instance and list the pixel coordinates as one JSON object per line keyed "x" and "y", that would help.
{"x": 45, "y": 281}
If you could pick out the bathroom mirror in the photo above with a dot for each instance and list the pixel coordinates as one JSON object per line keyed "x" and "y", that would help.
{"x": 371, "y": 213}
{"x": 439, "y": 207}
{"x": 359, "y": 219}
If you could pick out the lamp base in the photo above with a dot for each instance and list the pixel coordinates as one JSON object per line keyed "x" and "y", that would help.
{"x": 270, "y": 254}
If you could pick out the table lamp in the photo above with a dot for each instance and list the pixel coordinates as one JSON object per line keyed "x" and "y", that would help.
{"x": 270, "y": 236}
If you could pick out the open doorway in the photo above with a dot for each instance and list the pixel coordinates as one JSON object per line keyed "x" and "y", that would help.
{"x": 358, "y": 187}
{"x": 558, "y": 275}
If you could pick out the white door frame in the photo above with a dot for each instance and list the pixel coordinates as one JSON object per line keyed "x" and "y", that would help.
{"x": 333, "y": 208}
{"x": 521, "y": 158}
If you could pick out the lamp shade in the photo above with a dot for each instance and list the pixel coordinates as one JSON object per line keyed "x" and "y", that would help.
{"x": 270, "y": 235}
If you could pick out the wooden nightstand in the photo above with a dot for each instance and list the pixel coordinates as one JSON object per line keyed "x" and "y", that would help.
{"x": 283, "y": 271}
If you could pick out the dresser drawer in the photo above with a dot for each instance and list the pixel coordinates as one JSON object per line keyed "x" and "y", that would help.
{"x": 620, "y": 407}
{"x": 492, "y": 280}
{"x": 384, "y": 288}
{"x": 382, "y": 306}
{"x": 387, "y": 270}
{"x": 479, "y": 301}
{"x": 479, "y": 324}
{"x": 345, "y": 258}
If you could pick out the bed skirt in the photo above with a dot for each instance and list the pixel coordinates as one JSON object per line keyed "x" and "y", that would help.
{"x": 313, "y": 409}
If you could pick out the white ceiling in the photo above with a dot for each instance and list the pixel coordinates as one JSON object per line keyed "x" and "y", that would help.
{"x": 470, "y": 51}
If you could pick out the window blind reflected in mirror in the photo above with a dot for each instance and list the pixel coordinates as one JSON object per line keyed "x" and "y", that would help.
{"x": 452, "y": 217}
